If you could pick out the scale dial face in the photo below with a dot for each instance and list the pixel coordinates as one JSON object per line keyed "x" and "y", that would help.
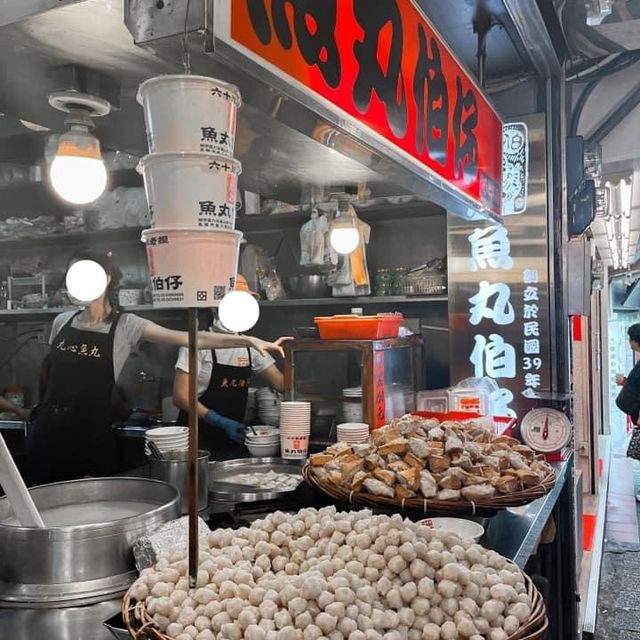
{"x": 546, "y": 430}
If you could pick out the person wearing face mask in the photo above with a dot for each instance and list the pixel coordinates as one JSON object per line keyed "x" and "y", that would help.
{"x": 224, "y": 377}
{"x": 70, "y": 432}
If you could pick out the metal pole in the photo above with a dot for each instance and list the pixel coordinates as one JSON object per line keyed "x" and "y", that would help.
{"x": 193, "y": 447}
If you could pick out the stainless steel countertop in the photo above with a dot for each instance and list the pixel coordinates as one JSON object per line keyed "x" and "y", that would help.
{"x": 514, "y": 533}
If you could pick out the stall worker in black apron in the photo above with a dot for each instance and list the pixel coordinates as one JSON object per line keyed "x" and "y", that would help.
{"x": 223, "y": 388}
{"x": 70, "y": 433}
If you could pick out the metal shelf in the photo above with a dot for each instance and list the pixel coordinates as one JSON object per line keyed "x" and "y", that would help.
{"x": 124, "y": 234}
{"x": 37, "y": 314}
{"x": 372, "y": 214}
{"x": 369, "y": 300}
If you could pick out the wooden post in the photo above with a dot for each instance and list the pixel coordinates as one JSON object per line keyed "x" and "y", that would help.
{"x": 193, "y": 447}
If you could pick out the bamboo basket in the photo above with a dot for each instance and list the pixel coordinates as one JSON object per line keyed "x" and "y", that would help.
{"x": 430, "y": 506}
{"x": 142, "y": 627}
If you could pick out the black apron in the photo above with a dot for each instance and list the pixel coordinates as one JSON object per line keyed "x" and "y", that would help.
{"x": 227, "y": 394}
{"x": 70, "y": 435}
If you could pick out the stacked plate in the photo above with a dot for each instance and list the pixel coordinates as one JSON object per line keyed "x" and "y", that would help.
{"x": 352, "y": 406}
{"x": 295, "y": 429}
{"x": 265, "y": 443}
{"x": 168, "y": 439}
{"x": 268, "y": 404}
{"x": 353, "y": 432}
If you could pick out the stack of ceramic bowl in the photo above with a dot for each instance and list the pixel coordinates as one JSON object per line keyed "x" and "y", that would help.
{"x": 268, "y": 406}
{"x": 264, "y": 443}
{"x": 352, "y": 405}
{"x": 353, "y": 432}
{"x": 190, "y": 178}
{"x": 295, "y": 429}
{"x": 167, "y": 439}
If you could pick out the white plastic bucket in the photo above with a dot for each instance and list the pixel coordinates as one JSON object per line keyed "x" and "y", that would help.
{"x": 190, "y": 113}
{"x": 191, "y": 189}
{"x": 191, "y": 267}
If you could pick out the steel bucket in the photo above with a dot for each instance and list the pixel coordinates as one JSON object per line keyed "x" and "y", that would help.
{"x": 80, "y": 563}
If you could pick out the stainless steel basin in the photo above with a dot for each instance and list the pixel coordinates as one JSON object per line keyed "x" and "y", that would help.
{"x": 88, "y": 559}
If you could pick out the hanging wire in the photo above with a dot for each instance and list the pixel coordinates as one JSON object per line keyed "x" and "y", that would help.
{"x": 186, "y": 55}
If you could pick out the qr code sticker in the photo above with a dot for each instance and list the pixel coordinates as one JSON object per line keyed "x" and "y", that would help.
{"x": 219, "y": 292}
{"x": 201, "y": 296}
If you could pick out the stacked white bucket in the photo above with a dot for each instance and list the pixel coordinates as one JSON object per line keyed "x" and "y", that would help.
{"x": 190, "y": 178}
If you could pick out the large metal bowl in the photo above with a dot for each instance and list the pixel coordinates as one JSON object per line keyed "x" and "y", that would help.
{"x": 80, "y": 563}
{"x": 313, "y": 286}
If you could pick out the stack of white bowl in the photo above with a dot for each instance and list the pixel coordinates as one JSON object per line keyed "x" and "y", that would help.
{"x": 190, "y": 178}
{"x": 268, "y": 406}
{"x": 353, "y": 432}
{"x": 295, "y": 429}
{"x": 167, "y": 439}
{"x": 264, "y": 443}
{"x": 352, "y": 406}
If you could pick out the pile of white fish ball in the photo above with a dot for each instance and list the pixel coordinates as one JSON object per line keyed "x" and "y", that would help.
{"x": 319, "y": 574}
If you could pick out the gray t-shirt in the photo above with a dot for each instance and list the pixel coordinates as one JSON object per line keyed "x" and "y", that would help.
{"x": 126, "y": 338}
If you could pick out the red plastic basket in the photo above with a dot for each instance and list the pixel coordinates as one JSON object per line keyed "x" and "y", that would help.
{"x": 503, "y": 425}
{"x": 352, "y": 327}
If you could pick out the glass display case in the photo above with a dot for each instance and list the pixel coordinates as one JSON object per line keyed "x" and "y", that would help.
{"x": 353, "y": 381}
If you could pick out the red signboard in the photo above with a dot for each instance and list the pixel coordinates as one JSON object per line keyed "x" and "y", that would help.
{"x": 383, "y": 64}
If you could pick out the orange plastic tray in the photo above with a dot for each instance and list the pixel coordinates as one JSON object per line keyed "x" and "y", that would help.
{"x": 351, "y": 327}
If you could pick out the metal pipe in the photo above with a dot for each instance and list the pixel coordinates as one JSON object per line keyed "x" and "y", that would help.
{"x": 193, "y": 447}
{"x": 615, "y": 118}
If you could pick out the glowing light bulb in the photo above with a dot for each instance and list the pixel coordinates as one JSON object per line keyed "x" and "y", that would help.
{"x": 238, "y": 311}
{"x": 86, "y": 280}
{"x": 77, "y": 173}
{"x": 344, "y": 240}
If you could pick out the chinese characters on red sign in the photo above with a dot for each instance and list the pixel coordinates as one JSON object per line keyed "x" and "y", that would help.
{"x": 382, "y": 63}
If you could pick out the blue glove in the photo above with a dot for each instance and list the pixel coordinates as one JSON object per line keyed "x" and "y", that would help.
{"x": 233, "y": 429}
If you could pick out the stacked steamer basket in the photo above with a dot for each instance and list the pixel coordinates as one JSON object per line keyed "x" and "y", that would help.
{"x": 295, "y": 429}
{"x": 190, "y": 178}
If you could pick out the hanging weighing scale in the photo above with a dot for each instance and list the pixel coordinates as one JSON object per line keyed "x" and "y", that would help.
{"x": 546, "y": 431}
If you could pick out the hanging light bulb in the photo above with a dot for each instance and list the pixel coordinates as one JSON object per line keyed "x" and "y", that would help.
{"x": 86, "y": 281}
{"x": 78, "y": 174}
{"x": 238, "y": 311}
{"x": 344, "y": 235}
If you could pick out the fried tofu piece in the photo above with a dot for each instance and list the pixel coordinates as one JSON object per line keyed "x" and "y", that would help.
{"x": 402, "y": 492}
{"x": 398, "y": 466}
{"x": 320, "y": 459}
{"x": 506, "y": 484}
{"x": 437, "y": 464}
{"x": 450, "y": 482}
{"x": 350, "y": 466}
{"x": 478, "y": 492}
{"x": 386, "y": 476}
{"x": 414, "y": 461}
{"x": 399, "y": 446}
{"x": 528, "y": 478}
{"x": 357, "y": 480}
{"x": 448, "y": 494}
{"x": 378, "y": 488}
{"x": 419, "y": 448}
{"x": 428, "y": 485}
{"x": 385, "y": 435}
{"x": 410, "y": 478}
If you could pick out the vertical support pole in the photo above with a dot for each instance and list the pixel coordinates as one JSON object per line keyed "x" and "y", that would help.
{"x": 193, "y": 447}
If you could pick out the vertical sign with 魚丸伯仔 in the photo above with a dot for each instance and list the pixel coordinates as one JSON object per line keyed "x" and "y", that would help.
{"x": 384, "y": 69}
{"x": 499, "y": 315}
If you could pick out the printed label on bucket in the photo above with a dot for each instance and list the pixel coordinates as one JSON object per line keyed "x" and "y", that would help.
{"x": 220, "y": 216}
{"x": 167, "y": 289}
{"x": 212, "y": 140}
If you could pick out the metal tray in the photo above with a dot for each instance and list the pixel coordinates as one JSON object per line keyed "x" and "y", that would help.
{"x": 230, "y": 492}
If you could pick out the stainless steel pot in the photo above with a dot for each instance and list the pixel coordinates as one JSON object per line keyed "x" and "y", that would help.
{"x": 80, "y": 563}
{"x": 314, "y": 286}
{"x": 175, "y": 470}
